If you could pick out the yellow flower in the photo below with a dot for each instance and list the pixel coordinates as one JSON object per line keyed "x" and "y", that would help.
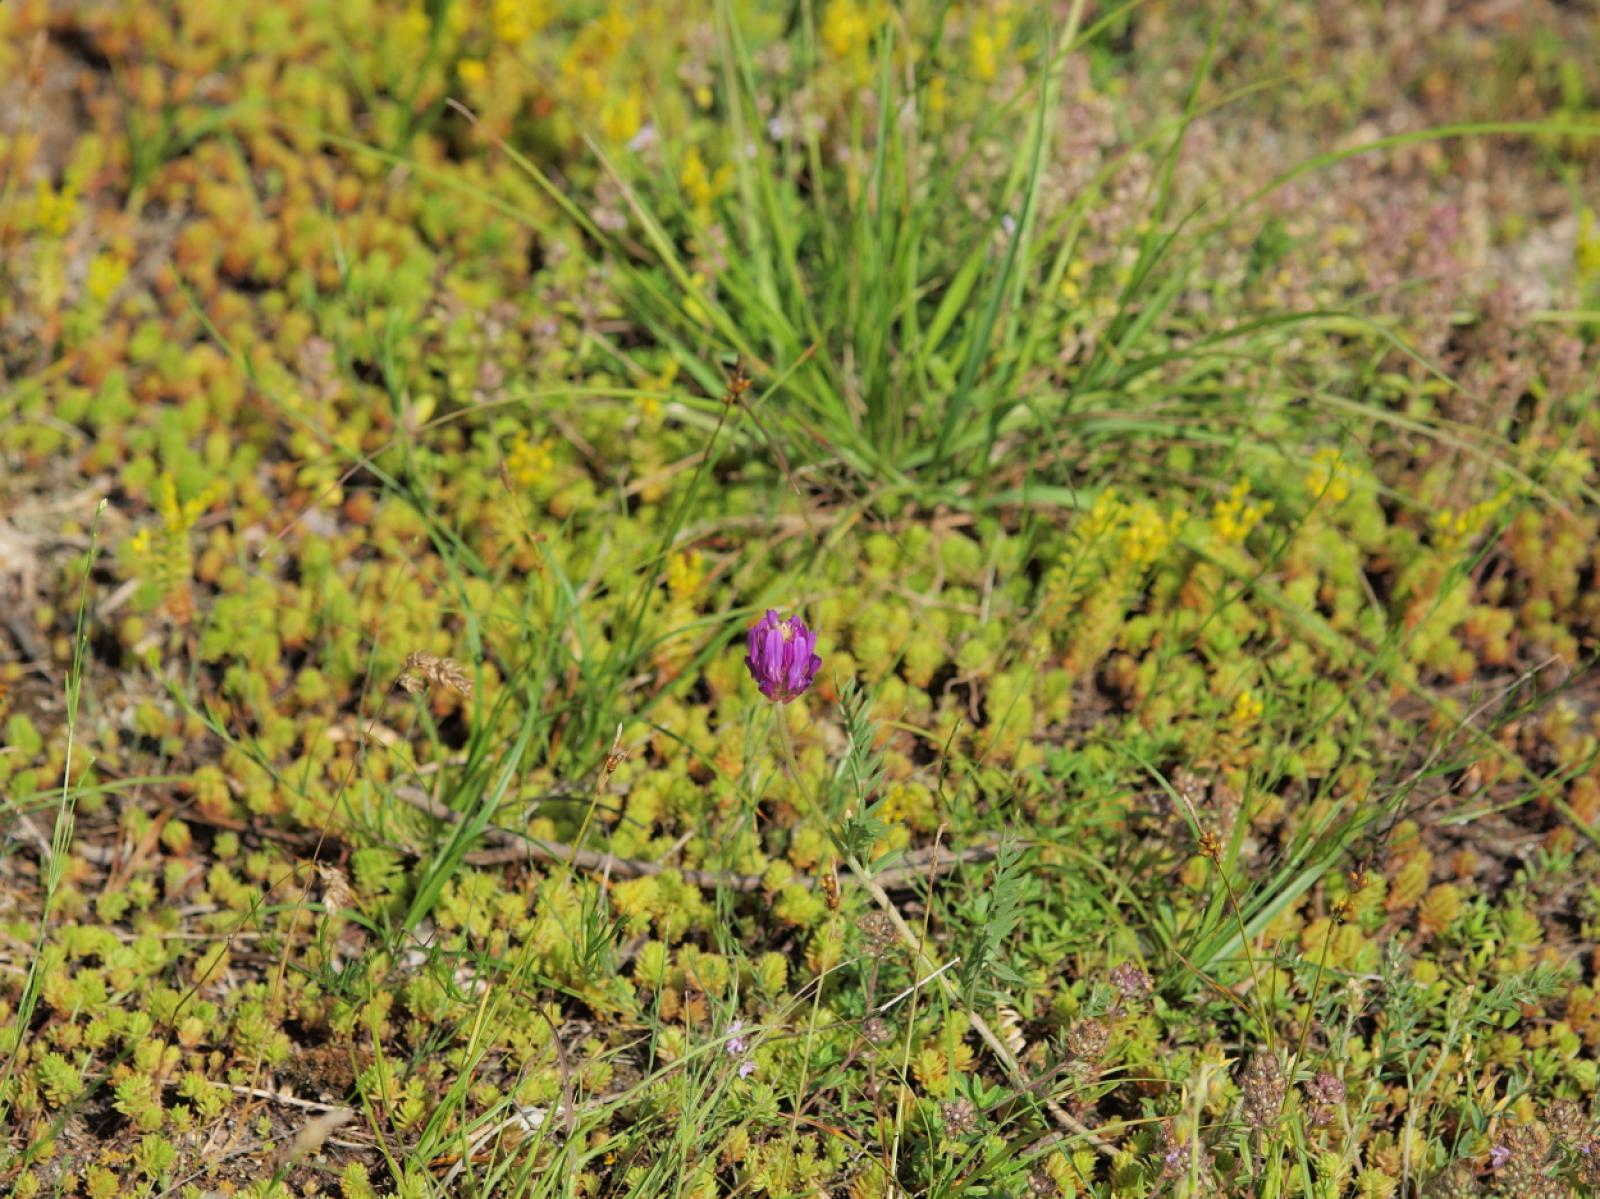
{"x": 655, "y": 386}
{"x": 694, "y": 179}
{"x": 106, "y": 273}
{"x": 896, "y": 805}
{"x": 1453, "y": 530}
{"x": 1233, "y": 518}
{"x": 613, "y": 28}
{"x": 179, "y": 518}
{"x": 53, "y": 210}
{"x": 415, "y": 27}
{"x": 700, "y": 185}
{"x": 582, "y": 81}
{"x": 1146, "y": 536}
{"x": 991, "y": 35}
{"x": 1071, "y": 279}
{"x": 685, "y": 573}
{"x": 159, "y": 555}
{"x": 1103, "y": 516}
{"x": 517, "y": 20}
{"x": 529, "y": 461}
{"x": 1330, "y": 477}
{"x": 621, "y": 116}
{"x": 846, "y": 28}
{"x": 472, "y": 71}
{"x": 1247, "y": 709}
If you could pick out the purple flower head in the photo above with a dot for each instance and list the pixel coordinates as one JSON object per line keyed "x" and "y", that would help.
{"x": 1499, "y": 1156}
{"x": 746, "y": 1068}
{"x": 782, "y": 658}
{"x": 1131, "y": 980}
{"x": 736, "y": 1042}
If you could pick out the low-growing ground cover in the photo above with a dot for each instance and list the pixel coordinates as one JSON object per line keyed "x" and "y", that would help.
{"x": 1172, "y": 431}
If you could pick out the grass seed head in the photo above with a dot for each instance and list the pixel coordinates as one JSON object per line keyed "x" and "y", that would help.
{"x": 423, "y": 670}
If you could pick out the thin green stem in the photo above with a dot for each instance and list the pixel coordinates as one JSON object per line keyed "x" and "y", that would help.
{"x": 1249, "y": 954}
{"x": 926, "y": 967}
{"x": 55, "y": 866}
{"x": 1316, "y": 985}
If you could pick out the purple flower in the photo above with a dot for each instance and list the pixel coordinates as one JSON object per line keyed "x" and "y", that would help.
{"x": 738, "y": 1047}
{"x": 1498, "y": 1156}
{"x": 1326, "y": 1088}
{"x": 782, "y": 658}
{"x": 1131, "y": 980}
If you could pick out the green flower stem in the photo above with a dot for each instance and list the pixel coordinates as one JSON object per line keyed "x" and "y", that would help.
{"x": 926, "y": 966}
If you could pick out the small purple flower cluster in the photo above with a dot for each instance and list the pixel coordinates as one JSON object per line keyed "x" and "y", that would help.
{"x": 738, "y": 1047}
{"x": 1131, "y": 981}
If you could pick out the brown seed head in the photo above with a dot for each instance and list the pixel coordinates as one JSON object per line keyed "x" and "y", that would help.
{"x": 1087, "y": 1040}
{"x": 615, "y": 756}
{"x": 336, "y": 892}
{"x": 960, "y": 1117}
{"x": 1263, "y": 1087}
{"x": 829, "y": 882}
{"x": 879, "y": 933}
{"x": 738, "y": 383}
{"x": 424, "y": 670}
{"x": 876, "y": 1029}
